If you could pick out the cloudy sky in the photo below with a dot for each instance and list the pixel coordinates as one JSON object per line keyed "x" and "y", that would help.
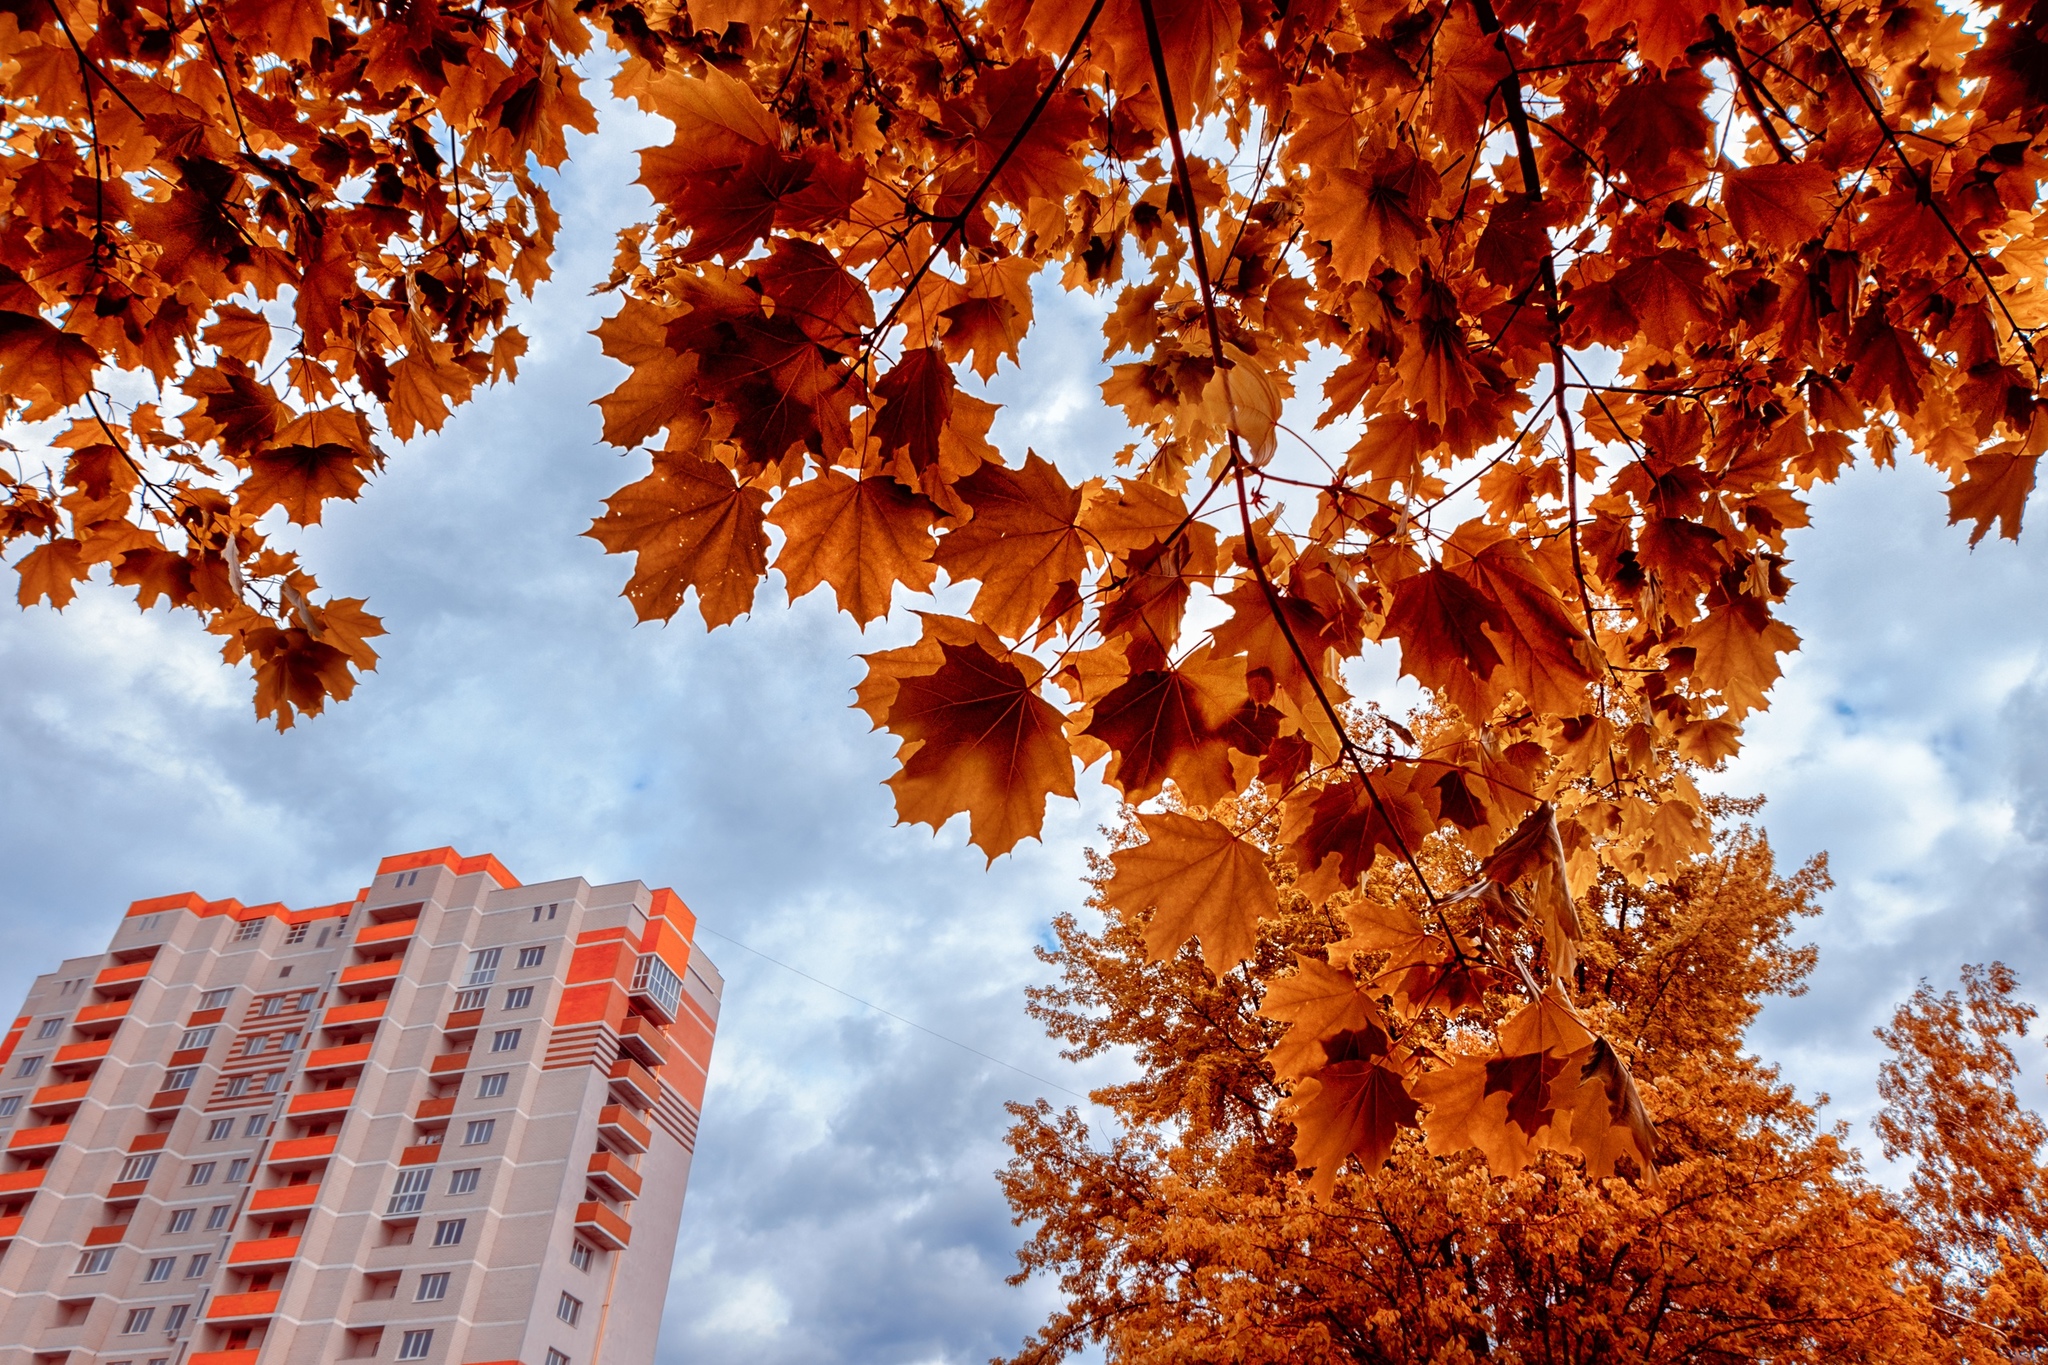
{"x": 842, "y": 1207}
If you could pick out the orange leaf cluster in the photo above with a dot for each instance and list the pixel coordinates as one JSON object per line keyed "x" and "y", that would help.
{"x": 1596, "y": 290}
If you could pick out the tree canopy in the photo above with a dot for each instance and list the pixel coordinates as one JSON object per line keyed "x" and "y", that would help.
{"x": 1583, "y": 296}
{"x": 1217, "y": 1219}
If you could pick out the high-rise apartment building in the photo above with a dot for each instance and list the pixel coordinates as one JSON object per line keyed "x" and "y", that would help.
{"x": 449, "y": 1121}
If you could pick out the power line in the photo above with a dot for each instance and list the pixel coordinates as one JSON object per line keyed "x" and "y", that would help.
{"x": 965, "y": 1047}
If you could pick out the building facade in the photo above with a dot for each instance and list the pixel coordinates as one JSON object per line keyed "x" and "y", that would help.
{"x": 449, "y": 1121}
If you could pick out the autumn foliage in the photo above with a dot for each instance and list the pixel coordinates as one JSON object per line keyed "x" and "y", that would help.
{"x": 1219, "y": 1215}
{"x": 1581, "y": 296}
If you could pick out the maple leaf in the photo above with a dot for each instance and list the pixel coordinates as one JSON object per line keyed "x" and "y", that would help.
{"x": 1023, "y": 541}
{"x": 1338, "y": 830}
{"x": 978, "y": 738}
{"x": 299, "y": 478}
{"x": 1197, "y": 878}
{"x": 1782, "y": 205}
{"x": 52, "y": 570}
{"x": 1182, "y": 723}
{"x": 1534, "y": 853}
{"x": 1994, "y": 488}
{"x": 1352, "y": 1108}
{"x": 863, "y": 536}
{"x": 1441, "y": 620}
{"x": 37, "y": 357}
{"x": 1374, "y": 218}
{"x": 1608, "y": 1119}
{"x": 1469, "y": 1101}
{"x": 1317, "y": 1001}
{"x": 691, "y": 524}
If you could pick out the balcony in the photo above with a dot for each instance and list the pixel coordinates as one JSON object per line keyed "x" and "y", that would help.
{"x": 241, "y": 1356}
{"x": 284, "y": 1197}
{"x": 396, "y": 931}
{"x": 613, "y": 1176}
{"x": 463, "y": 1021}
{"x": 369, "y": 977}
{"x": 242, "y": 1307}
{"x": 103, "y": 1018}
{"x": 106, "y": 1234}
{"x": 320, "y": 1102}
{"x": 601, "y": 1227}
{"x": 10, "y": 1228}
{"x": 44, "y": 1139}
{"x": 21, "y": 1182}
{"x": 121, "y": 982}
{"x": 54, "y": 1099}
{"x": 420, "y": 1154}
{"x": 168, "y": 1099}
{"x": 434, "y": 1111}
{"x": 81, "y": 1054}
{"x": 618, "y": 1126}
{"x": 202, "y": 1017}
{"x": 354, "y": 1016}
{"x": 449, "y": 1064}
{"x": 263, "y": 1251}
{"x": 187, "y": 1056}
{"x": 643, "y": 1039}
{"x": 347, "y": 1056}
{"x": 126, "y": 1191}
{"x": 635, "y": 1082}
{"x": 287, "y": 1153}
{"x": 148, "y": 1142}
{"x": 656, "y": 988}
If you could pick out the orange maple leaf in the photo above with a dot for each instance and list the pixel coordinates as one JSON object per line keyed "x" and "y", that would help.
{"x": 692, "y": 524}
{"x": 1197, "y": 878}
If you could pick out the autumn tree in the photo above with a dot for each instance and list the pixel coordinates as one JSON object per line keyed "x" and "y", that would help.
{"x": 1582, "y": 296}
{"x": 1218, "y": 1218}
{"x": 1978, "y": 1197}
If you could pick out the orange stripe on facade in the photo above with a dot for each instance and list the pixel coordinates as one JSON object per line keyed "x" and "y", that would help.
{"x": 449, "y": 858}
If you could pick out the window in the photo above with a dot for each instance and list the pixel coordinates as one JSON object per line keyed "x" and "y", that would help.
{"x": 29, "y": 1067}
{"x": 532, "y": 957}
{"x": 138, "y": 1321}
{"x": 490, "y": 1086}
{"x": 220, "y": 1130}
{"x": 173, "y": 1320}
{"x": 238, "y": 1086}
{"x": 196, "y": 1037}
{"x": 409, "y": 1195}
{"x": 139, "y": 1167}
{"x": 519, "y": 997}
{"x": 256, "y": 1045}
{"x": 306, "y": 999}
{"x": 160, "y": 1268}
{"x": 196, "y": 1267}
{"x": 238, "y": 1169}
{"x": 49, "y": 1028}
{"x": 272, "y": 1081}
{"x": 269, "y": 1005}
{"x": 415, "y": 1345}
{"x": 180, "y": 1078}
{"x": 288, "y": 1040}
{"x": 556, "y": 1357}
{"x": 201, "y": 1174}
{"x": 95, "y": 1262}
{"x": 478, "y": 1132}
{"x": 656, "y": 980}
{"x": 505, "y": 1040}
{"x": 297, "y": 934}
{"x": 217, "y": 1000}
{"x": 579, "y": 1255}
{"x": 10, "y": 1106}
{"x": 248, "y": 930}
{"x": 569, "y": 1308}
{"x": 448, "y": 1232}
{"x": 472, "y": 1000}
{"x": 483, "y": 966}
{"x": 464, "y": 1181}
{"x": 433, "y": 1288}
{"x": 181, "y": 1220}
{"x": 254, "y": 1127}
{"x": 217, "y": 1217}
